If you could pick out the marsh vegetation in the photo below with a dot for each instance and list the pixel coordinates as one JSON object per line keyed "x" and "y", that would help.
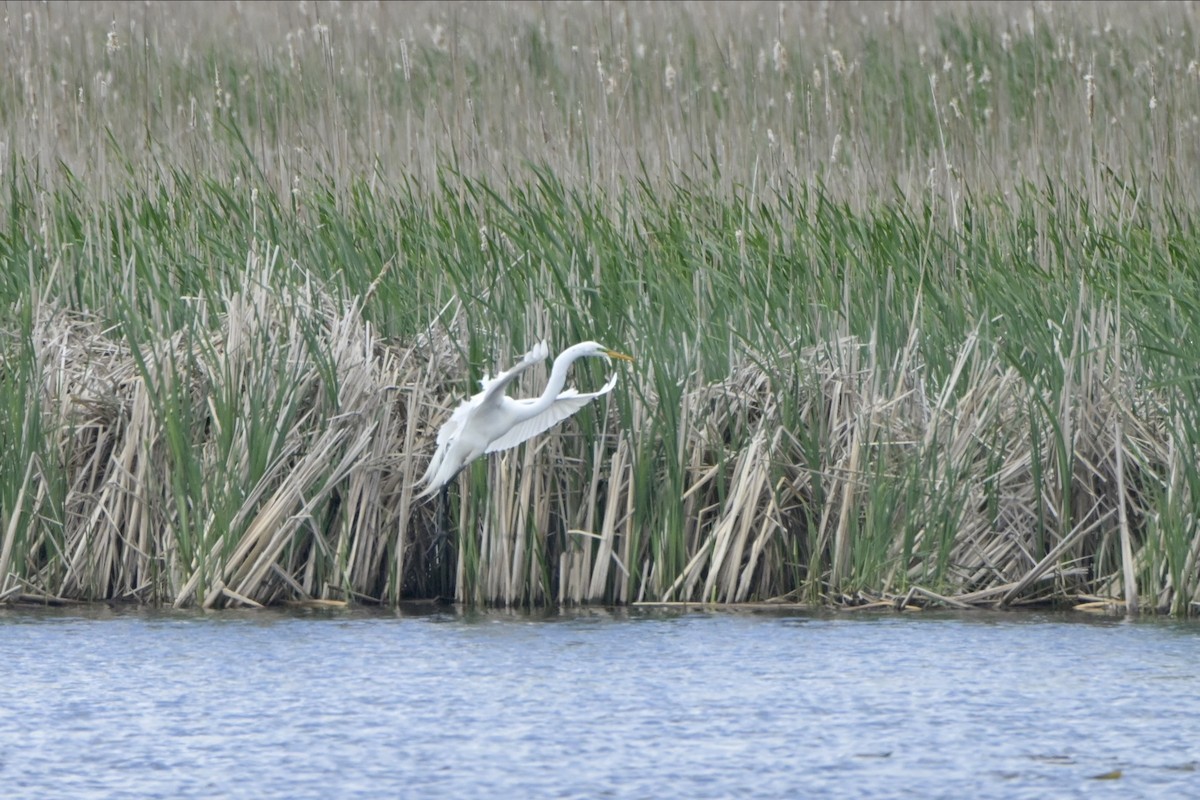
{"x": 912, "y": 289}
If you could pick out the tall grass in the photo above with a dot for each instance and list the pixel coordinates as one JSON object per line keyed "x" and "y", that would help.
{"x": 910, "y": 288}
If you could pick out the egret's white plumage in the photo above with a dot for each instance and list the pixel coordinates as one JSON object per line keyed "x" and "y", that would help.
{"x": 491, "y": 421}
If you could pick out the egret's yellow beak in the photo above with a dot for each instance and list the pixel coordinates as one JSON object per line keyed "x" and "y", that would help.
{"x": 615, "y": 354}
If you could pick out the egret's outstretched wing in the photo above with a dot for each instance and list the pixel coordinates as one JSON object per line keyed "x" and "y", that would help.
{"x": 564, "y": 406}
{"x": 494, "y": 388}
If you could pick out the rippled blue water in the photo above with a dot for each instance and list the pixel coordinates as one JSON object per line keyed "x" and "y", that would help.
{"x": 349, "y": 705}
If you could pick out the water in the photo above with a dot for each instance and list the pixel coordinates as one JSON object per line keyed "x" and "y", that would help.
{"x": 595, "y": 704}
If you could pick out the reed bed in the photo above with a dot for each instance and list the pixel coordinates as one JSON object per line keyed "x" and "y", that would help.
{"x": 911, "y": 289}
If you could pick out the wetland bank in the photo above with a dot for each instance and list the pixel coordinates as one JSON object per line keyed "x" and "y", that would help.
{"x": 911, "y": 289}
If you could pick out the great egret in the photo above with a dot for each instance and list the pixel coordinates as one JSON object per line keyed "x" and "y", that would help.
{"x": 491, "y": 421}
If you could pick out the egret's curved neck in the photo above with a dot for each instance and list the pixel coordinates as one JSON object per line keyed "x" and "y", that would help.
{"x": 554, "y": 386}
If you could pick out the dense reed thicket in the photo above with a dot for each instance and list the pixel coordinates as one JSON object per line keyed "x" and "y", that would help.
{"x": 912, "y": 290}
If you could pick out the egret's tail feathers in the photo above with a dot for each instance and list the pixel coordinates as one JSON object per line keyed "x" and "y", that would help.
{"x": 447, "y": 470}
{"x": 433, "y": 485}
{"x": 430, "y": 479}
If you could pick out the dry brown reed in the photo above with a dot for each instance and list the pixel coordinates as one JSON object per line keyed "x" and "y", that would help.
{"x": 125, "y": 518}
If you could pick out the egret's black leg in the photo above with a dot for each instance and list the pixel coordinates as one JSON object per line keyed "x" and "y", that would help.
{"x": 439, "y": 558}
{"x": 441, "y": 550}
{"x": 444, "y": 499}
{"x": 440, "y": 530}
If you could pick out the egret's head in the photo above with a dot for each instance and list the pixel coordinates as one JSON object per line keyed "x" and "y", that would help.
{"x": 597, "y": 349}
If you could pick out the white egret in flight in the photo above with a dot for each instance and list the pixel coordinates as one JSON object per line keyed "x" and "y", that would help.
{"x": 491, "y": 421}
